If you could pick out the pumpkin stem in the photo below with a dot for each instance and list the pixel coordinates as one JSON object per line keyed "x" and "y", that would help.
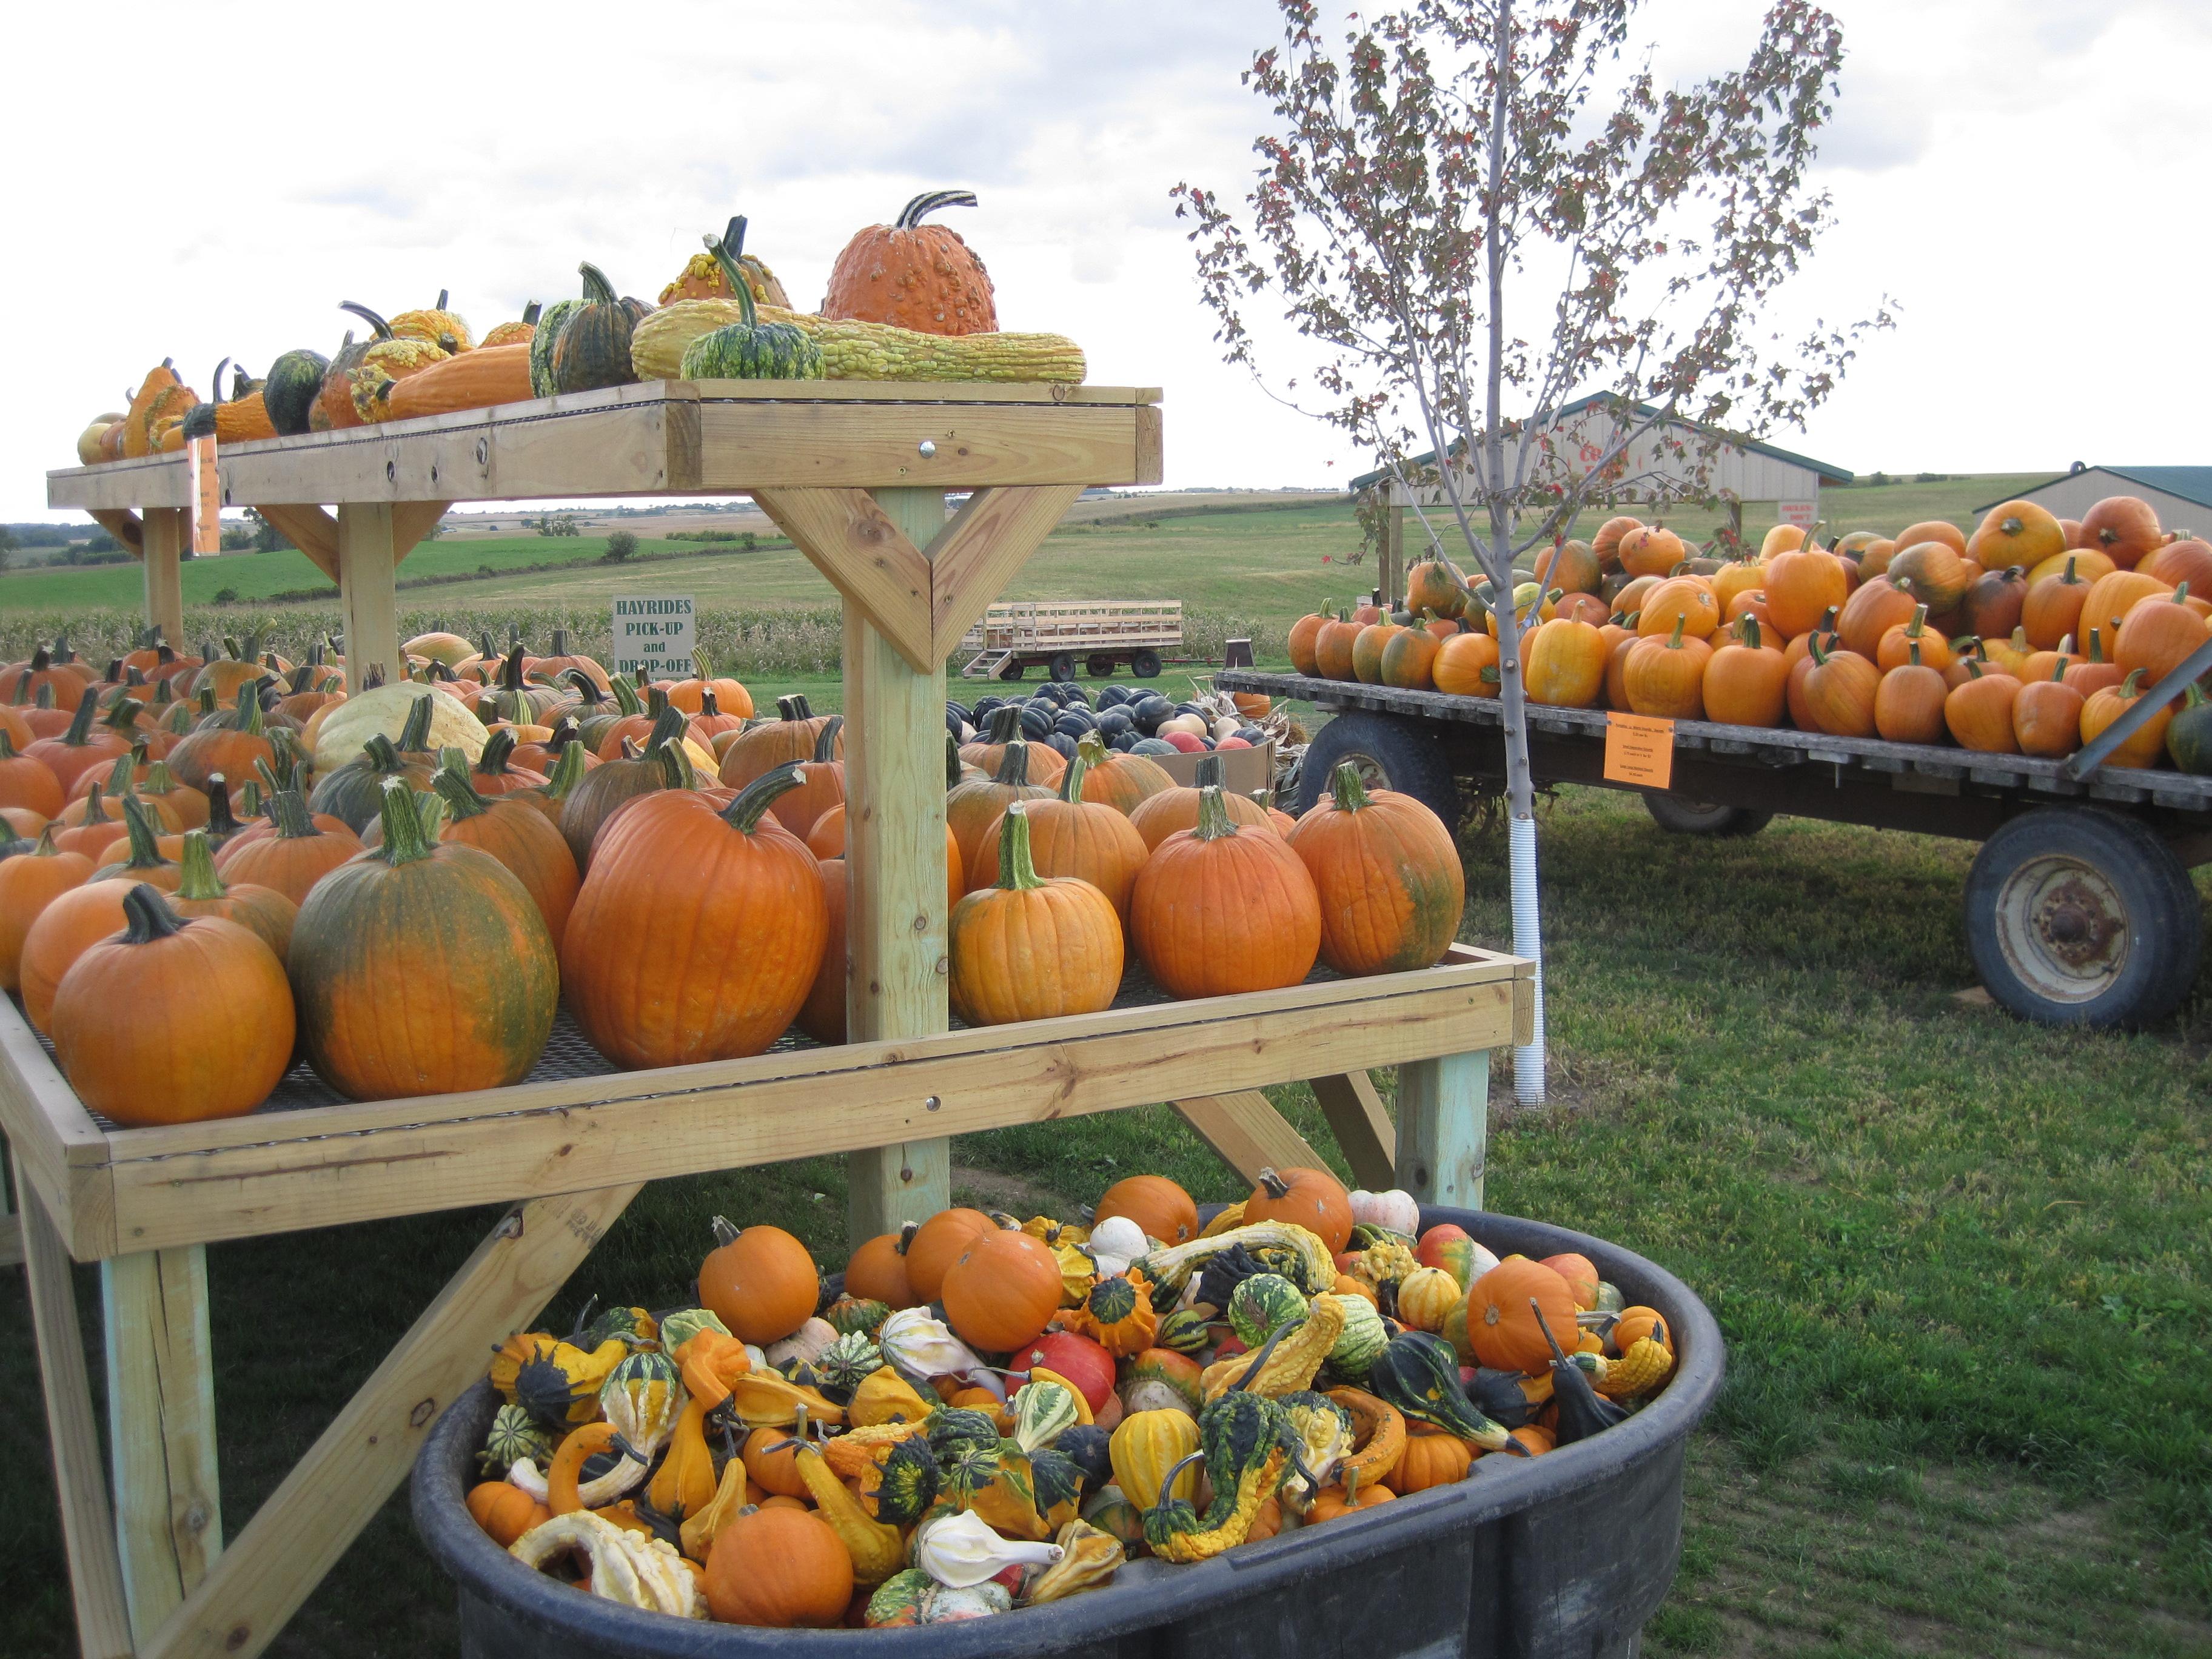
{"x": 2131, "y": 687}
{"x": 1350, "y": 794}
{"x": 1912, "y": 650}
{"x": 95, "y": 807}
{"x": 1070, "y": 780}
{"x": 1674, "y": 639}
{"x": 825, "y": 746}
{"x": 1209, "y": 770}
{"x": 676, "y": 765}
{"x": 744, "y": 814}
{"x": 199, "y": 879}
{"x": 710, "y": 705}
{"x": 906, "y": 1232}
{"x": 404, "y": 839}
{"x": 1214, "y": 822}
{"x": 1014, "y": 764}
{"x": 79, "y": 726}
{"x": 951, "y": 760}
{"x": 598, "y": 290}
{"x": 1016, "y": 871}
{"x": 734, "y": 274}
{"x": 146, "y": 917}
{"x": 289, "y": 812}
{"x": 453, "y": 788}
{"x": 928, "y": 202}
{"x": 221, "y": 823}
{"x": 249, "y": 709}
{"x": 383, "y": 329}
{"x": 1820, "y": 657}
{"x": 1277, "y": 1187}
{"x": 145, "y": 853}
{"x": 567, "y": 764}
{"x": 725, "y": 1231}
{"x": 496, "y": 749}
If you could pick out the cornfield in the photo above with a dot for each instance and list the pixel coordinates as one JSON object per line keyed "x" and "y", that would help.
{"x": 778, "y": 644}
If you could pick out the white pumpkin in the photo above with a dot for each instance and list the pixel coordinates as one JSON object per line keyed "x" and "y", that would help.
{"x": 1114, "y": 1244}
{"x": 1396, "y": 1209}
{"x": 384, "y": 708}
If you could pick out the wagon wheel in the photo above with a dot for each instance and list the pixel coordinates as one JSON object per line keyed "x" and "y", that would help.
{"x": 1062, "y": 665}
{"x": 2077, "y": 916}
{"x": 1012, "y": 669}
{"x": 1099, "y": 665}
{"x": 1145, "y": 665}
{"x": 1679, "y": 816}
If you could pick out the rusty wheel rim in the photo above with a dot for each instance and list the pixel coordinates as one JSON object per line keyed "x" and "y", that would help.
{"x": 2063, "y": 928}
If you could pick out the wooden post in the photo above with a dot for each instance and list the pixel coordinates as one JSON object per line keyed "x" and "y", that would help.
{"x": 895, "y": 840}
{"x": 160, "y": 1381}
{"x": 1444, "y": 1128}
{"x": 1364, "y": 1133}
{"x": 165, "y": 532}
{"x": 367, "y": 564}
{"x": 103, "y": 1627}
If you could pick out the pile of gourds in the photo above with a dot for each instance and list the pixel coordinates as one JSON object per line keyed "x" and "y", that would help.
{"x": 985, "y": 1413}
{"x": 2031, "y": 636}
{"x": 669, "y": 869}
{"x": 906, "y": 301}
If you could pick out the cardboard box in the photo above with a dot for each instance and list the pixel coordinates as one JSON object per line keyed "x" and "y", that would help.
{"x": 1243, "y": 770}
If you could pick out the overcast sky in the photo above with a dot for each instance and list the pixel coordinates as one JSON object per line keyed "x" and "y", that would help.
{"x": 2028, "y": 178}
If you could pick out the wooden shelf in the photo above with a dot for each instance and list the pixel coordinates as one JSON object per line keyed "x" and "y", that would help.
{"x": 677, "y": 437}
{"x": 114, "y": 1191}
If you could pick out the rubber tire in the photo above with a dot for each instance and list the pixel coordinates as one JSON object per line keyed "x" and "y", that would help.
{"x": 1145, "y": 665}
{"x": 1405, "y": 752}
{"x": 1061, "y": 668}
{"x": 1012, "y": 670}
{"x": 1682, "y": 817}
{"x": 1100, "y": 667}
{"x": 2165, "y": 917}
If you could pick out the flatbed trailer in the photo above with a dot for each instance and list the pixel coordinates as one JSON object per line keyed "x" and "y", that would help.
{"x": 1057, "y": 634}
{"x": 2079, "y": 907}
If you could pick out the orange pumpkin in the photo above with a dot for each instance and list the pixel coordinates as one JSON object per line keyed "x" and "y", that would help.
{"x": 1002, "y": 1292}
{"x": 1580, "y": 1274}
{"x": 937, "y": 1244}
{"x": 1908, "y": 703}
{"x": 2158, "y": 634}
{"x": 2123, "y": 528}
{"x": 1387, "y": 874}
{"x": 876, "y": 1272}
{"x": 1332, "y": 648}
{"x": 771, "y": 1460}
{"x": 912, "y": 275}
{"x": 1409, "y": 660}
{"x": 2185, "y": 560}
{"x": 974, "y": 806}
{"x": 1309, "y": 1198}
{"x": 1872, "y": 610}
{"x": 1650, "y": 550}
{"x": 1664, "y": 676}
{"x": 1030, "y": 946}
{"x": 1606, "y": 543}
{"x": 1467, "y": 665}
{"x": 1367, "y": 648}
{"x": 1222, "y": 908}
{"x": 1174, "y": 811}
{"x": 1979, "y": 712}
{"x": 1304, "y": 635}
{"x": 1155, "y": 1204}
{"x": 1801, "y": 585}
{"x": 1071, "y": 836}
{"x": 504, "y": 1510}
{"x": 1897, "y": 645}
{"x": 2145, "y": 746}
{"x": 29, "y": 882}
{"x": 780, "y": 1569}
{"x": 1432, "y": 1458}
{"x": 1501, "y": 1327}
{"x": 1839, "y": 690}
{"x": 2046, "y": 717}
{"x": 1563, "y": 663}
{"x": 1331, "y": 1502}
{"x": 1745, "y": 681}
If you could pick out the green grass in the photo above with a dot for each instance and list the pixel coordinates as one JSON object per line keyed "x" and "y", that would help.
{"x": 1960, "y": 1261}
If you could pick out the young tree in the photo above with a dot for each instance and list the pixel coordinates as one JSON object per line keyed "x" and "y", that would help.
{"x": 1477, "y": 211}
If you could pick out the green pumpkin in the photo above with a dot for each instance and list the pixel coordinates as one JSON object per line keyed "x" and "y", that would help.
{"x": 354, "y": 792}
{"x": 593, "y": 349}
{"x": 513, "y": 1436}
{"x": 2189, "y": 738}
{"x": 1109, "y": 1510}
{"x": 1262, "y": 1305}
{"x": 1362, "y": 1338}
{"x": 543, "y": 342}
{"x": 289, "y": 394}
{"x": 954, "y": 1426}
{"x": 1419, "y": 1374}
{"x": 749, "y": 350}
{"x": 902, "y": 1486}
{"x": 847, "y": 1362}
{"x": 682, "y": 1326}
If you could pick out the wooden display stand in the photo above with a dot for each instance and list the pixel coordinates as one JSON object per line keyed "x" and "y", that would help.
{"x": 856, "y": 475}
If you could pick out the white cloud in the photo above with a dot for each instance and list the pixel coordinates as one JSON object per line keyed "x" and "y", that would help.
{"x": 2021, "y": 173}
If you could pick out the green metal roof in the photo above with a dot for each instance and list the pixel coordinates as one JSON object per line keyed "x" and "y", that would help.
{"x": 1828, "y": 474}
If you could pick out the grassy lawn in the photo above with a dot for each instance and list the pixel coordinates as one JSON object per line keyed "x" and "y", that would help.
{"x": 1960, "y": 1262}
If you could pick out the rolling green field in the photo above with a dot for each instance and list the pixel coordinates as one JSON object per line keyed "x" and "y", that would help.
{"x": 1267, "y": 565}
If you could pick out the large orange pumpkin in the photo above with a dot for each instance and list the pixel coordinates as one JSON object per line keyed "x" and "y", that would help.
{"x": 518, "y": 835}
{"x": 1745, "y": 680}
{"x": 2016, "y": 532}
{"x": 2123, "y": 528}
{"x": 1563, "y": 663}
{"x": 1163, "y": 1209}
{"x": 29, "y": 882}
{"x": 1308, "y": 1198}
{"x": 974, "y": 806}
{"x": 1175, "y": 810}
{"x": 1501, "y": 1327}
{"x": 1663, "y": 676}
{"x": 1839, "y": 690}
{"x": 1800, "y": 587}
{"x": 1606, "y": 543}
{"x": 2145, "y": 746}
{"x": 1033, "y": 947}
{"x": 1465, "y": 665}
{"x": 760, "y": 1282}
{"x": 173, "y": 1021}
{"x": 913, "y": 276}
{"x": 698, "y": 932}
{"x": 780, "y": 1569}
{"x": 1002, "y": 1292}
{"x": 2158, "y": 634}
{"x": 1223, "y": 908}
{"x": 821, "y": 1016}
{"x": 1071, "y": 835}
{"x": 1389, "y": 876}
{"x": 380, "y": 946}
{"x": 761, "y": 749}
{"x": 299, "y": 854}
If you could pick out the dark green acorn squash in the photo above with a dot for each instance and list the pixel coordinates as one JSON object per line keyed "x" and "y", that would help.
{"x": 288, "y": 393}
{"x": 951, "y": 1425}
{"x": 541, "y": 346}
{"x": 1056, "y": 1486}
{"x": 1086, "y": 1444}
{"x": 593, "y": 349}
{"x": 749, "y": 350}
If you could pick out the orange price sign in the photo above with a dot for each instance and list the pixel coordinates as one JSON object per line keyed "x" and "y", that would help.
{"x": 207, "y": 499}
{"x": 1639, "y": 750}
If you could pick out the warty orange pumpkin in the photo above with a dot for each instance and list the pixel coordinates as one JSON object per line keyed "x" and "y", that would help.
{"x": 1387, "y": 875}
{"x": 914, "y": 275}
{"x": 1223, "y": 908}
{"x": 698, "y": 931}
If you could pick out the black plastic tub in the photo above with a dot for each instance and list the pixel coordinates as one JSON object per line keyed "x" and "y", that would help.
{"x": 1559, "y": 1557}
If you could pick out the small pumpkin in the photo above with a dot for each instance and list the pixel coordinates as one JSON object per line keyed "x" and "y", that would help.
{"x": 749, "y": 349}
{"x": 1161, "y": 1208}
{"x": 592, "y": 348}
{"x": 1308, "y": 1198}
{"x": 760, "y": 1282}
{"x": 1432, "y": 1458}
{"x": 936, "y": 1244}
{"x": 1505, "y": 1332}
{"x": 779, "y": 1568}
{"x": 504, "y": 1511}
{"x": 1003, "y": 1290}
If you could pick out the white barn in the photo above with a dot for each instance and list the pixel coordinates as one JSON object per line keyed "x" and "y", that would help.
{"x": 2180, "y": 496}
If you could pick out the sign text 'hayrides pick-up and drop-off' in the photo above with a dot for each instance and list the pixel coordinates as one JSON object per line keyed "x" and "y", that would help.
{"x": 653, "y": 632}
